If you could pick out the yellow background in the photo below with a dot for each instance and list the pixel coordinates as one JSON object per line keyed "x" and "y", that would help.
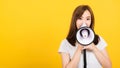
{"x": 31, "y": 30}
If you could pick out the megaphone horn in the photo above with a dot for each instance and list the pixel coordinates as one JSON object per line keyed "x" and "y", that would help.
{"x": 85, "y": 35}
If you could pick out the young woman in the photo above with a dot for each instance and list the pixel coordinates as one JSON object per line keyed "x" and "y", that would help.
{"x": 72, "y": 52}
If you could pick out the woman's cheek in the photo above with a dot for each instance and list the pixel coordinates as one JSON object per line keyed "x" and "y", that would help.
{"x": 88, "y": 24}
{"x": 78, "y": 23}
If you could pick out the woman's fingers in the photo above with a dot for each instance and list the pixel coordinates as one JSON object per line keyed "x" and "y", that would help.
{"x": 89, "y": 47}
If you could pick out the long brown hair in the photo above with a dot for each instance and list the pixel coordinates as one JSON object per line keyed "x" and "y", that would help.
{"x": 71, "y": 37}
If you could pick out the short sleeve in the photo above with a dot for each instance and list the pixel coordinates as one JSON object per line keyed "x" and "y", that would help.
{"x": 102, "y": 44}
{"x": 63, "y": 47}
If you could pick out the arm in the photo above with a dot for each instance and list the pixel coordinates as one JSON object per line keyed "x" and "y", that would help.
{"x": 101, "y": 55}
{"x": 73, "y": 63}
{"x": 103, "y": 58}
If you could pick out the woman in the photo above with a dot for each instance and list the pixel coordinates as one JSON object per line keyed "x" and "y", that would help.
{"x": 72, "y": 52}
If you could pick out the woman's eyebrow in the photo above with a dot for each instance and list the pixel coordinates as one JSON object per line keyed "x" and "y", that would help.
{"x": 88, "y": 16}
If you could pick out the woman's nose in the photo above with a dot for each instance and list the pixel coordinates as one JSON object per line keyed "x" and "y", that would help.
{"x": 84, "y": 21}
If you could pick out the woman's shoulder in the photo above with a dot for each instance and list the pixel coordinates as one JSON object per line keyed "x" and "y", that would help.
{"x": 102, "y": 40}
{"x": 64, "y": 40}
{"x": 102, "y": 43}
{"x": 66, "y": 47}
{"x": 63, "y": 46}
{"x": 66, "y": 43}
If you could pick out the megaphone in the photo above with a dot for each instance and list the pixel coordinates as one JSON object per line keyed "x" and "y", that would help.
{"x": 85, "y": 35}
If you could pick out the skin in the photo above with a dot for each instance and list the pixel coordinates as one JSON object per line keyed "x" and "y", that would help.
{"x": 101, "y": 55}
{"x": 85, "y": 18}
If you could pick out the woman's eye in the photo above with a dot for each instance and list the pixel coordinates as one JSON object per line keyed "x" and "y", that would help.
{"x": 88, "y": 19}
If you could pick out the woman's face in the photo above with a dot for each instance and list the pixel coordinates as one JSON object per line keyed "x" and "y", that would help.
{"x": 85, "y": 18}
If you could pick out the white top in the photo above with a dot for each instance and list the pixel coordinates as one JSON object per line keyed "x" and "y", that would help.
{"x": 92, "y": 61}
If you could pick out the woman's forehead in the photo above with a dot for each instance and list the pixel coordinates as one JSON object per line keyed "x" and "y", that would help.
{"x": 86, "y": 14}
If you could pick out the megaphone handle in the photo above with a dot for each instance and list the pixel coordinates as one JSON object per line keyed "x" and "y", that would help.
{"x": 85, "y": 59}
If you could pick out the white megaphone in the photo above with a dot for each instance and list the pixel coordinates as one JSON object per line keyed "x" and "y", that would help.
{"x": 85, "y": 35}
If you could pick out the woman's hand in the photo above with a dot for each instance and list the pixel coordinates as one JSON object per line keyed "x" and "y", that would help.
{"x": 90, "y": 47}
{"x": 80, "y": 47}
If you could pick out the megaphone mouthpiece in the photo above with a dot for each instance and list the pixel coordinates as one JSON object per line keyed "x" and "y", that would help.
{"x": 85, "y": 33}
